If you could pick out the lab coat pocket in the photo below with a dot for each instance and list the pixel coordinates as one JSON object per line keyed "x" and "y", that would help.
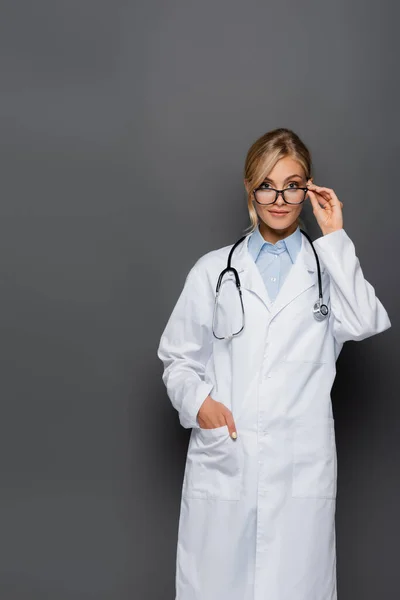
{"x": 314, "y": 458}
{"x": 214, "y": 465}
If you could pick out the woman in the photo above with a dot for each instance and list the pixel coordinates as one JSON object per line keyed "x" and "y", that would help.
{"x": 259, "y": 489}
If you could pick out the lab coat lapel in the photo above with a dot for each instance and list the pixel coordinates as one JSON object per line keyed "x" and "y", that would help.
{"x": 250, "y": 276}
{"x": 302, "y": 275}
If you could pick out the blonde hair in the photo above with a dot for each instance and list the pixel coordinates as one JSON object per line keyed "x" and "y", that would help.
{"x": 263, "y": 155}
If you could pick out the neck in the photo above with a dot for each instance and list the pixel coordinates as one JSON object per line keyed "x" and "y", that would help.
{"x": 274, "y": 235}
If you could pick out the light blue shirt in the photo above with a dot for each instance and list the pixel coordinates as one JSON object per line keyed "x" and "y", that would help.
{"x": 274, "y": 260}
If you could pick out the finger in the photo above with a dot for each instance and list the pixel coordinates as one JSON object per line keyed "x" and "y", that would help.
{"x": 231, "y": 424}
{"x": 320, "y": 199}
{"x": 321, "y": 196}
{"x": 316, "y": 202}
{"x": 327, "y": 193}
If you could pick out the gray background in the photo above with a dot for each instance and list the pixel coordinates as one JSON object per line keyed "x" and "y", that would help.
{"x": 124, "y": 131}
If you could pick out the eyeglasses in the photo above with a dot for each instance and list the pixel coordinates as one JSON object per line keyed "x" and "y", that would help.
{"x": 264, "y": 195}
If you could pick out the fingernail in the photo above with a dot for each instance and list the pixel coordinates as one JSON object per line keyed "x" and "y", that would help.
{"x": 234, "y": 435}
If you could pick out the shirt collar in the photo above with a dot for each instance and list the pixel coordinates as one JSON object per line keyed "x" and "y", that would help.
{"x": 291, "y": 243}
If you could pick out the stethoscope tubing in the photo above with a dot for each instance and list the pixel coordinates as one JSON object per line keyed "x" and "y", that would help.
{"x": 320, "y": 309}
{"x": 234, "y": 271}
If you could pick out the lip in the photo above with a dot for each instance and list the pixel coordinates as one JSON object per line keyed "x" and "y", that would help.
{"x": 276, "y": 212}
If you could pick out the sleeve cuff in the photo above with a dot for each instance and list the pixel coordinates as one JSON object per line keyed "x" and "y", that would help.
{"x": 188, "y": 417}
{"x": 333, "y": 236}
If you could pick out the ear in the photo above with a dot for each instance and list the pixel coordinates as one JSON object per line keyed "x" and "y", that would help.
{"x": 246, "y": 185}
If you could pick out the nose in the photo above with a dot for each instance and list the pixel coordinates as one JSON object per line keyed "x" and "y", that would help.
{"x": 280, "y": 201}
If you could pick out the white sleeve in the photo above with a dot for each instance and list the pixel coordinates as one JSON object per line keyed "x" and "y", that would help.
{"x": 356, "y": 311}
{"x": 186, "y": 346}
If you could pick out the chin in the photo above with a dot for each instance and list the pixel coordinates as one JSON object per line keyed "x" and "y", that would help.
{"x": 280, "y": 222}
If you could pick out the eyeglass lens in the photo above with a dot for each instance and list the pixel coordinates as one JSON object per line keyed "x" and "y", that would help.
{"x": 268, "y": 195}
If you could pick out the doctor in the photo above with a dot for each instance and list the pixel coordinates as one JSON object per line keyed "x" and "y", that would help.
{"x": 253, "y": 381}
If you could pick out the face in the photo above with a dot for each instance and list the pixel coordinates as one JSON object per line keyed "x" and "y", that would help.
{"x": 287, "y": 173}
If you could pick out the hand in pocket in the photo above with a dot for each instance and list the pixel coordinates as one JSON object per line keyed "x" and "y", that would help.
{"x": 213, "y": 414}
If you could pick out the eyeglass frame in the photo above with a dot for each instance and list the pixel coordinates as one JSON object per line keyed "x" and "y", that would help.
{"x": 305, "y": 189}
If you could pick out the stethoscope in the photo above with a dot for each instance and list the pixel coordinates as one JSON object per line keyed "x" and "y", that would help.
{"x": 320, "y": 310}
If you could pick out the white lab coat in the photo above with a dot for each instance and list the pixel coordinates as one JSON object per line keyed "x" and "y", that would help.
{"x": 257, "y": 514}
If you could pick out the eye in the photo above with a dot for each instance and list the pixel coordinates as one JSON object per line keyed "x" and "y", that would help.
{"x": 294, "y": 183}
{"x": 263, "y": 185}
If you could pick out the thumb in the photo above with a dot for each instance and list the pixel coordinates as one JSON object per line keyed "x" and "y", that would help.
{"x": 317, "y": 210}
{"x": 231, "y": 424}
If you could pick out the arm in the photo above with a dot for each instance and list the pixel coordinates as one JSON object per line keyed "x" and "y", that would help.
{"x": 185, "y": 347}
{"x": 356, "y": 311}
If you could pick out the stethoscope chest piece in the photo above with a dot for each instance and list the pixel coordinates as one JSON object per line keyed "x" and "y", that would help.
{"x": 320, "y": 310}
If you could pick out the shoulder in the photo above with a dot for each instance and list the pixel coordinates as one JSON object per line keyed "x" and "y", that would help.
{"x": 212, "y": 261}
{"x": 203, "y": 275}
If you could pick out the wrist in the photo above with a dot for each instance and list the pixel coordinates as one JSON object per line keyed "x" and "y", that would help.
{"x": 328, "y": 231}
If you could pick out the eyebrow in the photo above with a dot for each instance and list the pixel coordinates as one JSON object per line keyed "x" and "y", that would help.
{"x": 290, "y": 177}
